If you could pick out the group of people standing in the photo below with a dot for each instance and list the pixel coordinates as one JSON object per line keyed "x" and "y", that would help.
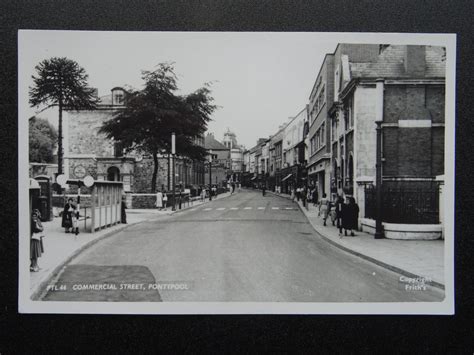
{"x": 161, "y": 200}
{"x": 343, "y": 212}
{"x": 70, "y": 217}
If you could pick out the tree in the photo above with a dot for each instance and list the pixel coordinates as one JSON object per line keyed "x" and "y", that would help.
{"x": 61, "y": 82}
{"x": 42, "y": 139}
{"x": 153, "y": 113}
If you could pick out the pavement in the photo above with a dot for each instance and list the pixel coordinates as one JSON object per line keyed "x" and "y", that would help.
{"x": 412, "y": 258}
{"x": 243, "y": 248}
{"x": 60, "y": 247}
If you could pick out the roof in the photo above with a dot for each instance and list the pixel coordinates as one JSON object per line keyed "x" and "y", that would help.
{"x": 211, "y": 143}
{"x": 105, "y": 100}
{"x": 390, "y": 63}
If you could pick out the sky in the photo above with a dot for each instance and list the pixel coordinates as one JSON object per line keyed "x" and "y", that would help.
{"x": 259, "y": 80}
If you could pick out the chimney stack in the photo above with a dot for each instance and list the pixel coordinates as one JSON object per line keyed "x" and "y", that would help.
{"x": 415, "y": 62}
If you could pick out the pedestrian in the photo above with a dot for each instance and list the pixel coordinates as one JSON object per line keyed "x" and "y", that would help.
{"x": 66, "y": 218}
{"x": 233, "y": 187}
{"x": 263, "y": 189}
{"x": 324, "y": 206}
{"x": 292, "y": 191}
{"x": 75, "y": 219}
{"x": 165, "y": 200}
{"x": 180, "y": 199}
{"x": 315, "y": 197}
{"x": 298, "y": 194}
{"x": 304, "y": 194}
{"x": 203, "y": 193}
{"x": 339, "y": 205}
{"x": 36, "y": 240}
{"x": 350, "y": 216}
{"x": 159, "y": 200}
{"x": 123, "y": 216}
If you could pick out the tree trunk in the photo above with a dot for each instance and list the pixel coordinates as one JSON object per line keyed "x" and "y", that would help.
{"x": 60, "y": 138}
{"x": 155, "y": 172}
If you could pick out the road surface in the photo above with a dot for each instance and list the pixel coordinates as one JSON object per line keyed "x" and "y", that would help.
{"x": 245, "y": 247}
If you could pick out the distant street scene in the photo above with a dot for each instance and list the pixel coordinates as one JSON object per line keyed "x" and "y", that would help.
{"x": 240, "y": 173}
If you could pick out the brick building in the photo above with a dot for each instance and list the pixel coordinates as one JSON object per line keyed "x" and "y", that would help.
{"x": 412, "y": 91}
{"x": 320, "y": 100}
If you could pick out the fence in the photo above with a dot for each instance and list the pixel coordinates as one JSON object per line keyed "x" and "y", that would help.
{"x": 404, "y": 205}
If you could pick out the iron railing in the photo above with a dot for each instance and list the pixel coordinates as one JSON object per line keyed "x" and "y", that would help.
{"x": 404, "y": 205}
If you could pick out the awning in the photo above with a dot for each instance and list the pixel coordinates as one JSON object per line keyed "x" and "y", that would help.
{"x": 286, "y": 177}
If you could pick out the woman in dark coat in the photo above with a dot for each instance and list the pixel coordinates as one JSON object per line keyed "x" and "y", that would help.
{"x": 66, "y": 221}
{"x": 36, "y": 242}
{"x": 350, "y": 216}
{"x": 339, "y": 206}
{"x": 123, "y": 216}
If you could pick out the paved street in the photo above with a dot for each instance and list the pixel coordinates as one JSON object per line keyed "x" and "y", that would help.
{"x": 242, "y": 248}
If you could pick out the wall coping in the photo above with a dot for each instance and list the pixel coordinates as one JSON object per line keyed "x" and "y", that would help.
{"x": 399, "y": 227}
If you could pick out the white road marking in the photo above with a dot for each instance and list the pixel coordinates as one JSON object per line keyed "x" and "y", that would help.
{"x": 275, "y": 208}
{"x": 207, "y": 209}
{"x": 220, "y": 208}
{"x": 288, "y": 208}
{"x": 247, "y": 208}
{"x": 261, "y": 208}
{"x": 234, "y": 208}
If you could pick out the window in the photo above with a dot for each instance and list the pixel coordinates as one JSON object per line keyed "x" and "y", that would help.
{"x": 333, "y": 130}
{"x": 323, "y": 139}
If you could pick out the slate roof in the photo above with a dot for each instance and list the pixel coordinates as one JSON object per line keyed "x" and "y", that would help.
{"x": 211, "y": 143}
{"x": 390, "y": 63}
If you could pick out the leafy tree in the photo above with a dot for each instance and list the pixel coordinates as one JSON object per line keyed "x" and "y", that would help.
{"x": 61, "y": 82}
{"x": 42, "y": 139}
{"x": 153, "y": 113}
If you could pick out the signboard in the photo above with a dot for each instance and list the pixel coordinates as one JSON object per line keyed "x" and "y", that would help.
{"x": 79, "y": 171}
{"x": 88, "y": 181}
{"x": 61, "y": 180}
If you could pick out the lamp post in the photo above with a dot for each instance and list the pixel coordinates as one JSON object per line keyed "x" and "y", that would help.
{"x": 173, "y": 152}
{"x": 378, "y": 164}
{"x": 210, "y": 178}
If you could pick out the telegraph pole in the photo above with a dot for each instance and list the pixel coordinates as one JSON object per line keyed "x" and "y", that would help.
{"x": 210, "y": 178}
{"x": 173, "y": 153}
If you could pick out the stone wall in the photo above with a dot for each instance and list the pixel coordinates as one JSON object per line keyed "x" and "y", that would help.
{"x": 144, "y": 172}
{"x": 143, "y": 201}
{"x": 83, "y": 132}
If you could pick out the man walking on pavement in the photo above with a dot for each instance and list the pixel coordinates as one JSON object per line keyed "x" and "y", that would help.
{"x": 263, "y": 189}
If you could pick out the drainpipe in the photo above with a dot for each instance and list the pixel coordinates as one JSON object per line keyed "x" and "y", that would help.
{"x": 378, "y": 165}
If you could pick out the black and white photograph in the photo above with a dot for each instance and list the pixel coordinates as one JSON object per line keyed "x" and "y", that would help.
{"x": 236, "y": 172}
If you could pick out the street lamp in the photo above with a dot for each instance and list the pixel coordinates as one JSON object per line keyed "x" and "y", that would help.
{"x": 378, "y": 164}
{"x": 173, "y": 152}
{"x": 210, "y": 178}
